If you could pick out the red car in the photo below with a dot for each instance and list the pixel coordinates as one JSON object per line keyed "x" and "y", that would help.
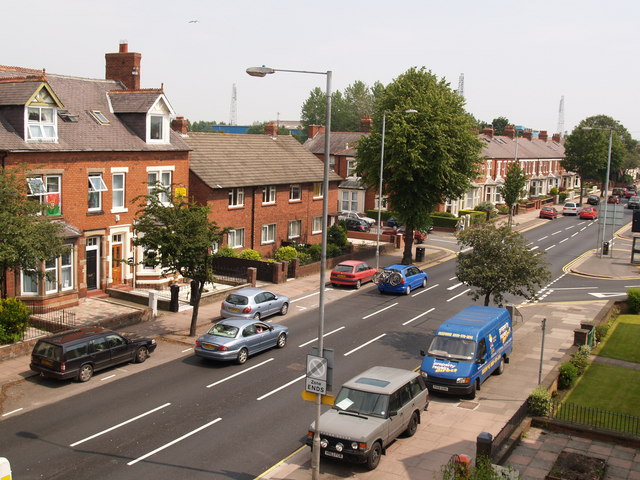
{"x": 613, "y": 199}
{"x": 418, "y": 236}
{"x": 548, "y": 212}
{"x": 588, "y": 213}
{"x": 352, "y": 273}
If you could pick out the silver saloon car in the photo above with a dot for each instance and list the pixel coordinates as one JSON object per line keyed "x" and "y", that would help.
{"x": 238, "y": 338}
{"x": 253, "y": 303}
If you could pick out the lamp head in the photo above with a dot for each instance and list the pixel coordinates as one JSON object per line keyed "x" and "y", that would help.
{"x": 260, "y": 71}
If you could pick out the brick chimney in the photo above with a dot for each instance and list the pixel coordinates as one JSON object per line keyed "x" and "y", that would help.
{"x": 488, "y": 130}
{"x": 366, "y": 123}
{"x": 542, "y": 135}
{"x": 179, "y": 124}
{"x": 528, "y": 134}
{"x": 556, "y": 137}
{"x": 510, "y": 131}
{"x": 124, "y": 66}
{"x": 271, "y": 129}
{"x": 313, "y": 130}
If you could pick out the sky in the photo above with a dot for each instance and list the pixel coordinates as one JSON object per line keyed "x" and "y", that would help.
{"x": 518, "y": 58}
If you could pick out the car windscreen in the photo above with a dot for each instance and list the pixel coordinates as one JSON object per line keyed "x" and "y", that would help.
{"x": 237, "y": 299}
{"x": 452, "y": 348}
{"x": 220, "y": 330}
{"x": 365, "y": 403}
{"x": 48, "y": 350}
{"x": 343, "y": 268}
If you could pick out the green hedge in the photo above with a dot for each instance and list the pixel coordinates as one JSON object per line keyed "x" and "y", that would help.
{"x": 444, "y": 219}
{"x": 476, "y": 216}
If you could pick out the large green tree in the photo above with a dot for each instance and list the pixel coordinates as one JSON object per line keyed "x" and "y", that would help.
{"x": 181, "y": 237}
{"x": 499, "y": 261}
{"x": 430, "y": 154}
{"x": 499, "y": 124}
{"x": 587, "y": 149}
{"x": 27, "y": 236}
{"x": 513, "y": 187}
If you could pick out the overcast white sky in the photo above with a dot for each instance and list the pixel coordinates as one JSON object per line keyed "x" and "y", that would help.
{"x": 518, "y": 58}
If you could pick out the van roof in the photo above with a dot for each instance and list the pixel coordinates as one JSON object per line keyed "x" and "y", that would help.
{"x": 472, "y": 321}
{"x": 384, "y": 380}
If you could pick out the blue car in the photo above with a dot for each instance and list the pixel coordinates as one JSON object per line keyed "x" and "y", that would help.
{"x": 400, "y": 279}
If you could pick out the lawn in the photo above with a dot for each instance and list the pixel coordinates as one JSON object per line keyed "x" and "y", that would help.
{"x": 622, "y": 343}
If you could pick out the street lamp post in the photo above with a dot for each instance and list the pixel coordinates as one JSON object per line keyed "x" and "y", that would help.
{"x": 261, "y": 72}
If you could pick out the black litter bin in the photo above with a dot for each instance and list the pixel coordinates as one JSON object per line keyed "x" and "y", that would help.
{"x": 420, "y": 254}
{"x": 605, "y": 248}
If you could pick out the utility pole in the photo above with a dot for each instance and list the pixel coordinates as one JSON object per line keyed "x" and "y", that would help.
{"x": 544, "y": 325}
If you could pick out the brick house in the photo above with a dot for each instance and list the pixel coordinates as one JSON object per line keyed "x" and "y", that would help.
{"x": 91, "y": 146}
{"x": 267, "y": 189}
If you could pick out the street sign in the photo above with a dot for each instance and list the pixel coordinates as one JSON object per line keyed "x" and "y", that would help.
{"x": 316, "y": 381}
{"x": 314, "y": 385}
{"x": 324, "y": 399}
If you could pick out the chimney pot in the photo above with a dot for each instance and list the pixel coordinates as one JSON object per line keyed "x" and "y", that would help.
{"x": 271, "y": 129}
{"x": 366, "y": 123}
{"x": 542, "y": 135}
{"x": 313, "y": 130}
{"x": 179, "y": 124}
{"x": 488, "y": 130}
{"x": 510, "y": 131}
{"x": 124, "y": 67}
{"x": 124, "y": 47}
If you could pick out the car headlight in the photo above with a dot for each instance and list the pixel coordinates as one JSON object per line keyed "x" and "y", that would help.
{"x": 339, "y": 447}
{"x": 324, "y": 443}
{"x": 462, "y": 380}
{"x": 424, "y": 374}
{"x": 354, "y": 445}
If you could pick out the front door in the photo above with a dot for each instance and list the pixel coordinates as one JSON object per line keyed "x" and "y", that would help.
{"x": 116, "y": 265}
{"x": 93, "y": 259}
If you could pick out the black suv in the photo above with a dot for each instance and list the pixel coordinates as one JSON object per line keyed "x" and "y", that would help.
{"x": 79, "y": 353}
{"x": 593, "y": 200}
{"x": 357, "y": 225}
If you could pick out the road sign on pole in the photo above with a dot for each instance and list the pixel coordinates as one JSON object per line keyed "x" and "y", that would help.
{"x": 316, "y": 381}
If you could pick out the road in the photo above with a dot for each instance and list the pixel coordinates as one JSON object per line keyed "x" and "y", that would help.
{"x": 188, "y": 418}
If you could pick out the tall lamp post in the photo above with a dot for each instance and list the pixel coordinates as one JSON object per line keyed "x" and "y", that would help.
{"x": 261, "y": 72}
{"x": 384, "y": 126}
{"x": 606, "y": 184}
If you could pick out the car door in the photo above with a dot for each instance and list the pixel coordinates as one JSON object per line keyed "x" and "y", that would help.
{"x": 100, "y": 354}
{"x": 398, "y": 403}
{"x": 413, "y": 277}
{"x": 251, "y": 339}
{"x": 119, "y": 348}
{"x": 266, "y": 337}
{"x": 270, "y": 303}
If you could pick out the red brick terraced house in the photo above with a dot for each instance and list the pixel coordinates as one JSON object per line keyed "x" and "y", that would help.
{"x": 91, "y": 146}
{"x": 267, "y": 189}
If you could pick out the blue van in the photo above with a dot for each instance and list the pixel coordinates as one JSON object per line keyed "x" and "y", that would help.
{"x": 466, "y": 349}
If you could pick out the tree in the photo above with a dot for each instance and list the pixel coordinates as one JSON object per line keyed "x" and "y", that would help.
{"x": 499, "y": 262}
{"x": 499, "y": 124}
{"x": 429, "y": 155}
{"x": 587, "y": 151}
{"x": 27, "y": 236}
{"x": 513, "y": 187}
{"x": 180, "y": 236}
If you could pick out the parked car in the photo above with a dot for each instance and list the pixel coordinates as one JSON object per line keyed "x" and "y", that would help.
{"x": 618, "y": 191}
{"x": 370, "y": 411}
{"x": 613, "y": 199}
{"x": 255, "y": 303}
{"x": 400, "y": 279}
{"x": 356, "y": 216}
{"x": 356, "y": 225}
{"x": 593, "y": 200}
{"x": 629, "y": 193}
{"x": 634, "y": 202}
{"x": 571, "y": 208}
{"x": 633, "y": 187}
{"x": 419, "y": 236}
{"x": 78, "y": 353}
{"x": 589, "y": 213}
{"x": 238, "y": 338}
{"x": 352, "y": 273}
{"x": 392, "y": 222}
{"x": 548, "y": 212}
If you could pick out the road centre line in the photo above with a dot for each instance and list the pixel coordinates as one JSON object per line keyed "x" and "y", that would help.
{"x": 306, "y": 296}
{"x": 461, "y": 293}
{"x": 569, "y": 228}
{"x": 574, "y": 288}
{"x": 455, "y": 286}
{"x": 380, "y": 311}
{"x": 325, "y": 335}
{"x": 239, "y": 373}
{"x": 12, "y": 411}
{"x": 546, "y": 236}
{"x": 583, "y": 228}
{"x": 186, "y": 435}
{"x": 364, "y": 344}
{"x": 120, "y": 425}
{"x": 418, "y": 316}
{"x": 534, "y": 248}
{"x": 564, "y": 240}
{"x": 424, "y": 290}
{"x": 555, "y": 233}
{"x": 453, "y": 278}
{"x": 574, "y": 234}
{"x": 186, "y": 350}
{"x": 281, "y": 387}
{"x": 107, "y": 378}
{"x": 549, "y": 248}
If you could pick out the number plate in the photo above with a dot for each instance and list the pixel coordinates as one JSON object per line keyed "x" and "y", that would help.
{"x": 441, "y": 388}
{"x": 233, "y": 309}
{"x": 333, "y": 454}
{"x": 46, "y": 362}
{"x": 209, "y": 346}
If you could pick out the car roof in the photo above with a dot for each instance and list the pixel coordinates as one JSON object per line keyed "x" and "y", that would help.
{"x": 569, "y": 204}
{"x": 248, "y": 291}
{"x": 77, "y": 334}
{"x": 397, "y": 266}
{"x": 380, "y": 379}
{"x": 351, "y": 263}
{"x": 237, "y": 322}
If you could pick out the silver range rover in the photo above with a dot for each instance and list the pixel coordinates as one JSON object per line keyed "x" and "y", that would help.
{"x": 370, "y": 411}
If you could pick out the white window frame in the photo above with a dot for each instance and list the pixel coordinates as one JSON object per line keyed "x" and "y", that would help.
{"x": 40, "y": 186}
{"x": 351, "y": 167}
{"x": 318, "y": 189}
{"x": 317, "y": 225}
{"x": 51, "y": 286}
{"x": 33, "y": 279}
{"x": 268, "y": 234}
{"x": 154, "y": 121}
{"x": 236, "y": 197}
{"x": 295, "y": 192}
{"x": 349, "y": 201}
{"x": 295, "y": 229}
{"x": 41, "y": 129}
{"x": 235, "y": 238}
{"x": 118, "y": 194}
{"x": 96, "y": 187}
{"x": 162, "y": 175}
{"x": 66, "y": 270}
{"x": 269, "y": 194}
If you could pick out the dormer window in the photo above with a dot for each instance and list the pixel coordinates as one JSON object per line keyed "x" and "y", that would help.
{"x": 158, "y": 127}
{"x": 41, "y": 117}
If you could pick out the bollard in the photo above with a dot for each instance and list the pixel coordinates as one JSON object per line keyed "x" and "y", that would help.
{"x": 605, "y": 248}
{"x": 484, "y": 443}
{"x": 174, "y": 302}
{"x": 153, "y": 302}
{"x": 420, "y": 254}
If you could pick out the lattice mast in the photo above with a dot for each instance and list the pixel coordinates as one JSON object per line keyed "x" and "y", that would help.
{"x": 461, "y": 85}
{"x": 561, "y": 117}
{"x": 233, "y": 114}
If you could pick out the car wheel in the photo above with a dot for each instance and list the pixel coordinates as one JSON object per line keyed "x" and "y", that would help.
{"x": 358, "y": 284}
{"x": 141, "y": 354}
{"x": 500, "y": 369}
{"x": 374, "y": 456}
{"x": 334, "y": 285}
{"x": 472, "y": 394}
{"x": 282, "y": 340}
{"x": 85, "y": 373}
{"x": 424, "y": 283}
{"x": 284, "y": 309}
{"x": 243, "y": 354}
{"x": 413, "y": 425}
{"x": 408, "y": 290}
{"x": 256, "y": 316}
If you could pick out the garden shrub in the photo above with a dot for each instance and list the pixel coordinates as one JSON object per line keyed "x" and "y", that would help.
{"x": 554, "y": 191}
{"x": 315, "y": 252}
{"x": 563, "y": 196}
{"x": 249, "y": 254}
{"x": 227, "y": 252}
{"x": 486, "y": 207}
{"x": 337, "y": 235}
{"x": 539, "y": 402}
{"x": 601, "y": 332}
{"x": 568, "y": 375}
{"x": 14, "y": 320}
{"x": 333, "y": 251}
{"x": 503, "y": 209}
{"x": 285, "y": 254}
{"x": 633, "y": 300}
{"x": 580, "y": 359}
{"x": 305, "y": 258}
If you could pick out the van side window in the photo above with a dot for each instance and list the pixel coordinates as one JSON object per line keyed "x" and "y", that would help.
{"x": 77, "y": 351}
{"x": 100, "y": 344}
{"x": 482, "y": 350}
{"x": 115, "y": 340}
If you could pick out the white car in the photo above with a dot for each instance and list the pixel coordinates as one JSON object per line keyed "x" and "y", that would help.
{"x": 357, "y": 216}
{"x": 571, "y": 208}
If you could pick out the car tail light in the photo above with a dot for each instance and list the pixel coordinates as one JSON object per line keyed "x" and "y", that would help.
{"x": 63, "y": 366}
{"x": 198, "y": 344}
{"x": 223, "y": 348}
{"x": 246, "y": 310}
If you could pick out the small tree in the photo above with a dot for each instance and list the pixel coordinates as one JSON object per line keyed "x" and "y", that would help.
{"x": 182, "y": 235}
{"x": 14, "y": 320}
{"x": 498, "y": 262}
{"x": 513, "y": 187}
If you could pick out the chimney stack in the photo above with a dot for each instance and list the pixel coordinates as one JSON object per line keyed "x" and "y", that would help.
{"x": 314, "y": 130}
{"x": 179, "y": 124}
{"x": 271, "y": 129}
{"x": 366, "y": 123}
{"x": 488, "y": 130}
{"x": 124, "y": 66}
{"x": 542, "y": 135}
{"x": 528, "y": 134}
{"x": 556, "y": 137}
{"x": 510, "y": 131}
